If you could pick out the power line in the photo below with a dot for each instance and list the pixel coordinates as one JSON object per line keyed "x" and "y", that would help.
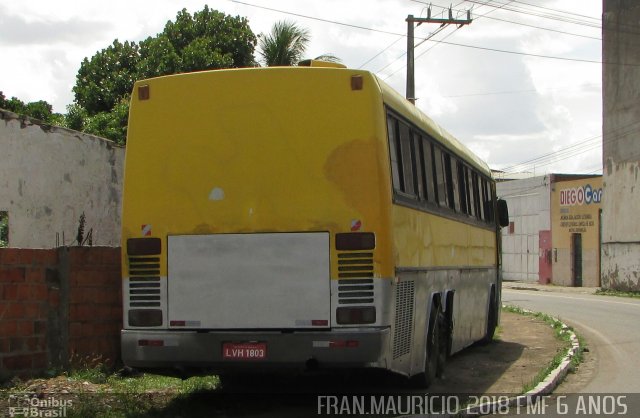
{"x": 517, "y": 23}
{"x": 560, "y": 18}
{"x": 547, "y": 29}
{"x": 570, "y": 151}
{"x": 381, "y": 52}
{"x": 556, "y": 10}
{"x": 436, "y": 41}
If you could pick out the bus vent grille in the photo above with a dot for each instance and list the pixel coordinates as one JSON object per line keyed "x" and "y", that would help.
{"x": 404, "y": 319}
{"x": 355, "y": 264}
{"x": 355, "y": 291}
{"x": 144, "y": 282}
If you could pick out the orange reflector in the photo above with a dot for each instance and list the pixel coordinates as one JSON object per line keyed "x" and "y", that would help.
{"x": 319, "y": 322}
{"x": 177, "y": 323}
{"x": 356, "y": 82}
{"x": 143, "y": 92}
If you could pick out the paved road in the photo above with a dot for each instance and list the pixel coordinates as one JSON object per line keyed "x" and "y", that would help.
{"x": 610, "y": 326}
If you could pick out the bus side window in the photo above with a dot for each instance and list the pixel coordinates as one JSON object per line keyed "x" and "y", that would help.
{"x": 461, "y": 204}
{"x": 468, "y": 189}
{"x": 394, "y": 152}
{"x": 451, "y": 180}
{"x": 440, "y": 176}
{"x": 419, "y": 166}
{"x": 429, "y": 173}
{"x": 476, "y": 196}
{"x": 407, "y": 159}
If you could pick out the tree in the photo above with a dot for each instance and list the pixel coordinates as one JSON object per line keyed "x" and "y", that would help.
{"x": 206, "y": 40}
{"x": 40, "y": 110}
{"x": 108, "y": 77}
{"x": 284, "y": 45}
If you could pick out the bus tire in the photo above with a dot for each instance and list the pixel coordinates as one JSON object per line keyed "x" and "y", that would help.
{"x": 435, "y": 353}
{"x": 492, "y": 319}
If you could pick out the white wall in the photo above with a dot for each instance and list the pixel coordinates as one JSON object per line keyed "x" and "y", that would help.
{"x": 529, "y": 203}
{"x": 49, "y": 176}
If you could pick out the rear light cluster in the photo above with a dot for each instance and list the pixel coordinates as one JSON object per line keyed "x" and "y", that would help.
{"x": 144, "y": 246}
{"x": 145, "y": 317}
{"x": 356, "y": 315}
{"x": 355, "y": 241}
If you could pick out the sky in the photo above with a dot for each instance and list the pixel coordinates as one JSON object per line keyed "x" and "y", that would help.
{"x": 534, "y": 106}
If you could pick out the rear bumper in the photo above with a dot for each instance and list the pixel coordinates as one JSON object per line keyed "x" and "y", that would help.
{"x": 192, "y": 349}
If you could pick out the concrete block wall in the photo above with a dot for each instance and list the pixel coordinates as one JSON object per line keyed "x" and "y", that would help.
{"x": 58, "y": 306}
{"x": 50, "y": 176}
{"x": 29, "y": 305}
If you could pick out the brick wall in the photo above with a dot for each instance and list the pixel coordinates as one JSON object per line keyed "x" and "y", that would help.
{"x": 58, "y": 306}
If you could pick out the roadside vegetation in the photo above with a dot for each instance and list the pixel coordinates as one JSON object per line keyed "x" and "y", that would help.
{"x": 562, "y": 332}
{"x": 619, "y": 293}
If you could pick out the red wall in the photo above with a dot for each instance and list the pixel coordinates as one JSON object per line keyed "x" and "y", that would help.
{"x": 58, "y": 306}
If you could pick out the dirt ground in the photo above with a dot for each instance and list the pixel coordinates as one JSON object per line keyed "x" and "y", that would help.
{"x": 525, "y": 346}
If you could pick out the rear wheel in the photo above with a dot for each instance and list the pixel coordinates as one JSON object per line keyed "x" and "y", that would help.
{"x": 492, "y": 319}
{"x": 436, "y": 352}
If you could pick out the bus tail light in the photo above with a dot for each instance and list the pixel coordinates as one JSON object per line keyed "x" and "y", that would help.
{"x": 354, "y": 241}
{"x": 145, "y": 317}
{"x": 144, "y": 246}
{"x": 356, "y": 315}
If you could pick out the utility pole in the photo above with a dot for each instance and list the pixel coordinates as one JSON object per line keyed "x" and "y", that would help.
{"x": 411, "y": 85}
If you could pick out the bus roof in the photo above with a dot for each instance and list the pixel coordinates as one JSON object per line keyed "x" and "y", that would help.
{"x": 391, "y": 98}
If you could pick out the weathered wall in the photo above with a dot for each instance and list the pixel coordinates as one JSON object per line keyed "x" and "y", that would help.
{"x": 49, "y": 176}
{"x": 621, "y": 147}
{"x": 58, "y": 306}
{"x": 528, "y": 202}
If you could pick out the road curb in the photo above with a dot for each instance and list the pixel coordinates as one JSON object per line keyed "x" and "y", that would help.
{"x": 543, "y": 388}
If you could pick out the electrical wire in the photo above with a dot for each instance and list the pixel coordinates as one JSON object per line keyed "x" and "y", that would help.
{"x": 574, "y": 149}
{"x": 517, "y": 23}
{"x": 436, "y": 41}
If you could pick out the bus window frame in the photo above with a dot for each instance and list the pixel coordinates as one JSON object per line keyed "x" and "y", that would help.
{"x": 421, "y": 199}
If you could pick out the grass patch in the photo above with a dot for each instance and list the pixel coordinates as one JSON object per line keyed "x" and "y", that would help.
{"x": 618, "y": 293}
{"x": 96, "y": 392}
{"x": 497, "y": 336}
{"x": 562, "y": 333}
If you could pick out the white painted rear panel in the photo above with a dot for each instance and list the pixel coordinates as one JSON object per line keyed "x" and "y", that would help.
{"x": 227, "y": 281}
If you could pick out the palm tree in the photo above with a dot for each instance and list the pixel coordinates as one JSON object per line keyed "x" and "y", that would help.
{"x": 286, "y": 44}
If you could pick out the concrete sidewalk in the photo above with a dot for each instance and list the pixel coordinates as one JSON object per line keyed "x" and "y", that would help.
{"x": 535, "y": 286}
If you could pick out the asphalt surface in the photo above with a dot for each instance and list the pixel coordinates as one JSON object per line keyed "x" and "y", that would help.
{"x": 610, "y": 327}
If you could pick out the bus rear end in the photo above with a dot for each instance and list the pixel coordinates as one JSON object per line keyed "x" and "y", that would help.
{"x": 255, "y": 219}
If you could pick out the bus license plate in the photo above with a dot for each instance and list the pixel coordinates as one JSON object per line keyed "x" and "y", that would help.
{"x": 244, "y": 351}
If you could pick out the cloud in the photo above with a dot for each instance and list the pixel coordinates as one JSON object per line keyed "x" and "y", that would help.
{"x": 17, "y": 31}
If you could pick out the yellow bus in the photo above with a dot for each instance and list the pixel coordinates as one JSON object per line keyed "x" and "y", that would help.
{"x": 300, "y": 218}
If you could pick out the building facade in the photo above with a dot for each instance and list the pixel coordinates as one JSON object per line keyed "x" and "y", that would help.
{"x": 554, "y": 229}
{"x": 621, "y": 146}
